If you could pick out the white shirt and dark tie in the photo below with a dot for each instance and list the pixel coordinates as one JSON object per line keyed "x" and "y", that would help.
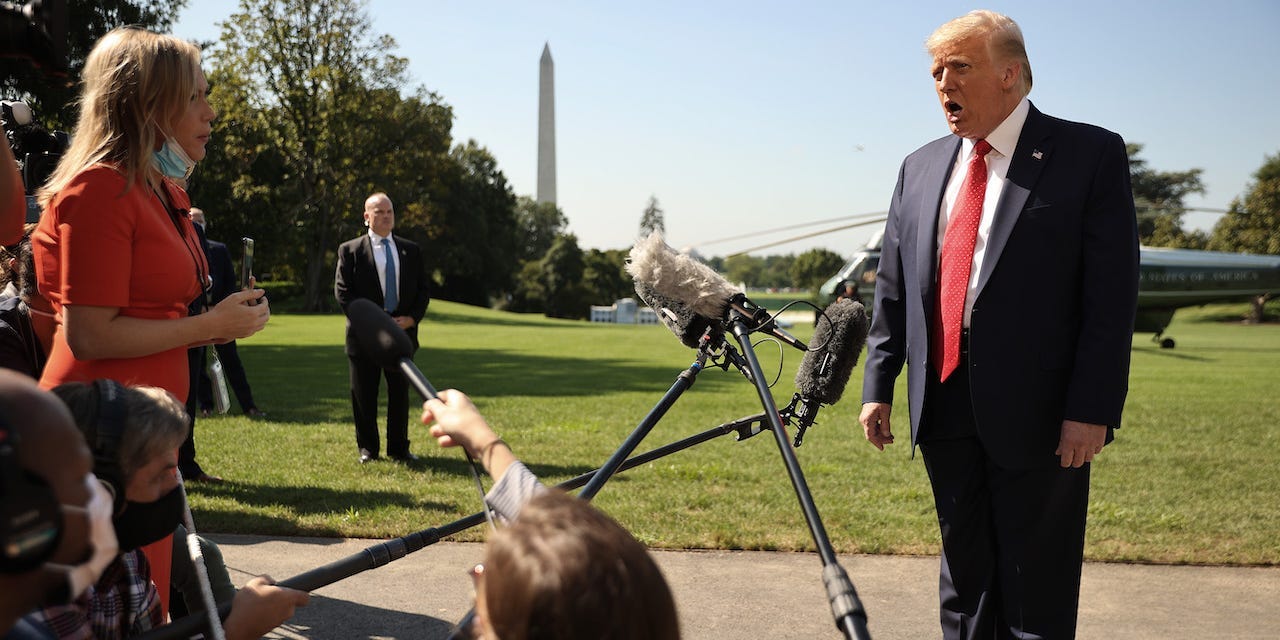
{"x": 384, "y": 254}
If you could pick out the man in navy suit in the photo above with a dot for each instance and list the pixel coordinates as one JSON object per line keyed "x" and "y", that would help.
{"x": 1018, "y": 364}
{"x": 387, "y": 270}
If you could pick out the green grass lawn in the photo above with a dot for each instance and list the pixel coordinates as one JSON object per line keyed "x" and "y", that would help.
{"x": 1190, "y": 479}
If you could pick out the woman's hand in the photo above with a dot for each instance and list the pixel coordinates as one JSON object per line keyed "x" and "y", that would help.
{"x": 236, "y": 318}
{"x": 457, "y": 422}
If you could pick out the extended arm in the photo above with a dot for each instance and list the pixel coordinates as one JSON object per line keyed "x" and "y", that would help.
{"x": 95, "y": 333}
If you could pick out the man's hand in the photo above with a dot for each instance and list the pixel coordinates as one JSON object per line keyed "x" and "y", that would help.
{"x": 1080, "y": 443}
{"x": 404, "y": 322}
{"x": 261, "y": 606}
{"x": 875, "y": 423}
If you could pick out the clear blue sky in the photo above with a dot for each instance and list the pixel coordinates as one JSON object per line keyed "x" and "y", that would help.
{"x": 742, "y": 116}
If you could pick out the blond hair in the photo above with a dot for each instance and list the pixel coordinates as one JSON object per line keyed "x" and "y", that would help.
{"x": 134, "y": 84}
{"x": 1004, "y": 39}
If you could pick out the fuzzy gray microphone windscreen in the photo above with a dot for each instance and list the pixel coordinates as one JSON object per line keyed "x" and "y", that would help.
{"x": 679, "y": 277}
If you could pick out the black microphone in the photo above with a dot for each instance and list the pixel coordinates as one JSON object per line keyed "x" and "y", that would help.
{"x": 675, "y": 315}
{"x": 384, "y": 341}
{"x": 682, "y": 283}
{"x": 824, "y": 373}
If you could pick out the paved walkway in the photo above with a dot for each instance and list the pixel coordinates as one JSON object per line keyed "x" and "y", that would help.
{"x": 730, "y": 595}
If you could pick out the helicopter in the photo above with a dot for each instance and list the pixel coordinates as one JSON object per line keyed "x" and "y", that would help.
{"x": 1168, "y": 280}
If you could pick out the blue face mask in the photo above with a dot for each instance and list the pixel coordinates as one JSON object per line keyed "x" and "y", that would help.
{"x": 172, "y": 161}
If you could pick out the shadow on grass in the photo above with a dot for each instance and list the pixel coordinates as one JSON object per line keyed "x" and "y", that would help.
{"x": 1169, "y": 353}
{"x": 310, "y": 383}
{"x": 301, "y": 501}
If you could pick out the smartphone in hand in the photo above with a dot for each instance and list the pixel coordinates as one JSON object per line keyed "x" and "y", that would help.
{"x": 246, "y": 266}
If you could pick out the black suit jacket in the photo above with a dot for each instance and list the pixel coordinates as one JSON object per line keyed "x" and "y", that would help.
{"x": 357, "y": 277}
{"x": 1052, "y": 322}
{"x": 20, "y": 348}
{"x": 222, "y": 272}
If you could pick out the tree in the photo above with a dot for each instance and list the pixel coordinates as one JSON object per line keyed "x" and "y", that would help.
{"x": 651, "y": 221}
{"x": 313, "y": 122}
{"x": 604, "y": 276}
{"x": 553, "y": 284}
{"x": 1158, "y": 196}
{"x": 1252, "y": 224}
{"x": 87, "y": 21}
{"x": 814, "y": 267}
{"x": 539, "y": 224}
{"x": 743, "y": 269}
{"x": 776, "y": 273}
{"x": 562, "y": 270}
{"x": 472, "y": 228}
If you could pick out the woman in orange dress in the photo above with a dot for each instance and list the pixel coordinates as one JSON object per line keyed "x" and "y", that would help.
{"x": 115, "y": 252}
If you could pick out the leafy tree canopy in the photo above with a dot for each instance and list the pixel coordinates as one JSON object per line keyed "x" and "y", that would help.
{"x": 1252, "y": 223}
{"x": 1158, "y": 196}
{"x": 53, "y": 99}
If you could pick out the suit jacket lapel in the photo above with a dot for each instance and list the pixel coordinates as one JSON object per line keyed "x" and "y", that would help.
{"x": 374, "y": 284}
{"x": 937, "y": 173}
{"x": 1035, "y": 145}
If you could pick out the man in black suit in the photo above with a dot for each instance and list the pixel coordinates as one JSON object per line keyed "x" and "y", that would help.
{"x": 1008, "y": 285}
{"x": 387, "y": 270}
{"x": 222, "y": 273}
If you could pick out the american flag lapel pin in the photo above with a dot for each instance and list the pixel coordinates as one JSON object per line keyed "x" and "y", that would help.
{"x": 1037, "y": 154}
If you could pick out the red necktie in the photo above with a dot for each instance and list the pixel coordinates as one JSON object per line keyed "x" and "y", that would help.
{"x": 956, "y": 262}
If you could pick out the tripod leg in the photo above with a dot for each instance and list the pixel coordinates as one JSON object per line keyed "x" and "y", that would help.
{"x": 606, "y": 471}
{"x": 846, "y": 608}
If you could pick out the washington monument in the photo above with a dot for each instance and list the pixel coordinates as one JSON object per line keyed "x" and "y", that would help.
{"x": 546, "y": 128}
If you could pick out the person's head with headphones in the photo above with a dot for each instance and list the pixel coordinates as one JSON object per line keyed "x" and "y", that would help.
{"x": 55, "y": 517}
{"x": 134, "y": 434}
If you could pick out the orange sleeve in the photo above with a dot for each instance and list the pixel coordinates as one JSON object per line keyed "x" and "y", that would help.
{"x": 96, "y": 221}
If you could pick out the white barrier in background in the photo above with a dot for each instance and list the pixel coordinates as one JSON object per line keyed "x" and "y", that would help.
{"x": 624, "y": 311}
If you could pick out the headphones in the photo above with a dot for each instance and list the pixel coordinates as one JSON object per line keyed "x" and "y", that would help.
{"x": 30, "y": 515}
{"x": 107, "y": 433}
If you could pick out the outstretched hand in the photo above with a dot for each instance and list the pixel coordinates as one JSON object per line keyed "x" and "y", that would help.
{"x": 261, "y": 606}
{"x": 457, "y": 423}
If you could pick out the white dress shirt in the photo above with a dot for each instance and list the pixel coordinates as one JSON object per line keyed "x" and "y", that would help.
{"x": 380, "y": 259}
{"x": 1003, "y": 141}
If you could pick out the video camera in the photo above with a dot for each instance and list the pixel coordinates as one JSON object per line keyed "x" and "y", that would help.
{"x": 36, "y": 150}
{"x": 36, "y": 31}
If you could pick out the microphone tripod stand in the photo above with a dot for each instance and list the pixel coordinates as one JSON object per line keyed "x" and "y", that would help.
{"x": 846, "y": 608}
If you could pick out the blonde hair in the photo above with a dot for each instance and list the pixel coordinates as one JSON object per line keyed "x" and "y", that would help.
{"x": 134, "y": 83}
{"x": 1004, "y": 39}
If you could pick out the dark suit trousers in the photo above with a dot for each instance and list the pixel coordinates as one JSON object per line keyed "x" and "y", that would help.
{"x": 1012, "y": 539}
{"x": 187, "y": 451}
{"x": 366, "y": 377}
